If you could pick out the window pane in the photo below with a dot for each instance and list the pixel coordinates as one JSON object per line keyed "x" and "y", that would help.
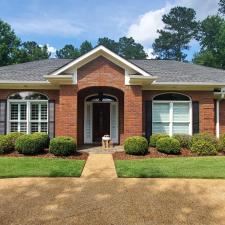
{"x": 23, "y": 127}
{"x": 44, "y": 127}
{"x": 181, "y": 112}
{"x": 161, "y": 112}
{"x": 34, "y": 111}
{"x": 44, "y": 111}
{"x": 14, "y": 112}
{"x": 23, "y": 111}
{"x": 13, "y": 127}
{"x": 160, "y": 128}
{"x": 34, "y": 127}
{"x": 180, "y": 128}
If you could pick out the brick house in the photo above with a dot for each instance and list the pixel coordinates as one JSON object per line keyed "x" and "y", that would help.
{"x": 101, "y": 93}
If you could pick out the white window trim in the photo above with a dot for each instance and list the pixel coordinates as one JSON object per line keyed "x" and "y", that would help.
{"x": 171, "y": 114}
{"x": 28, "y": 120}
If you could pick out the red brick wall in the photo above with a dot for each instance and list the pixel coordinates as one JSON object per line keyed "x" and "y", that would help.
{"x": 206, "y": 104}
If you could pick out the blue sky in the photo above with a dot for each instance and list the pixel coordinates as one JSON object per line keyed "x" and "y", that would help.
{"x": 58, "y": 22}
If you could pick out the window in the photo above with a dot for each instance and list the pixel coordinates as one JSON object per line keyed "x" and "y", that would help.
{"x": 171, "y": 114}
{"x": 28, "y": 112}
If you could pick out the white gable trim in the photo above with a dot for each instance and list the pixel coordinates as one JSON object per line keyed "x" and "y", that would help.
{"x": 101, "y": 50}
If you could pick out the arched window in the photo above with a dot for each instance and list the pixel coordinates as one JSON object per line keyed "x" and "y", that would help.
{"x": 172, "y": 114}
{"x": 28, "y": 112}
{"x": 100, "y": 97}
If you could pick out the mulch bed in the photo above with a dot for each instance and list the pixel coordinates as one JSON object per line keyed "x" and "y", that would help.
{"x": 153, "y": 153}
{"x": 46, "y": 154}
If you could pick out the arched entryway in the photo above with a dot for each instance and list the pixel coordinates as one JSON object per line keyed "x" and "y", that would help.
{"x": 102, "y": 114}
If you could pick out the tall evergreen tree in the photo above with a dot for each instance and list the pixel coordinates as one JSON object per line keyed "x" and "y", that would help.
{"x": 68, "y": 52}
{"x": 9, "y": 44}
{"x": 180, "y": 28}
{"x": 85, "y": 47}
{"x": 109, "y": 43}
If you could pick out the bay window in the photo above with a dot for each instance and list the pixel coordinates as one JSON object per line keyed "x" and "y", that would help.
{"x": 28, "y": 112}
{"x": 171, "y": 114}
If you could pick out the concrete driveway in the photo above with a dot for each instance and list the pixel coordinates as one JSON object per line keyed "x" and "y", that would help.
{"x": 102, "y": 201}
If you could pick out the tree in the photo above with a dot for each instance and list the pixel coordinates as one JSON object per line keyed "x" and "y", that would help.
{"x": 212, "y": 42}
{"x": 180, "y": 28}
{"x": 9, "y": 44}
{"x": 129, "y": 49}
{"x": 30, "y": 51}
{"x": 109, "y": 43}
{"x": 222, "y": 7}
{"x": 68, "y": 52}
{"x": 85, "y": 47}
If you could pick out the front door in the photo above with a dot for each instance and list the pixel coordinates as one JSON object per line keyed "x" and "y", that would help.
{"x": 101, "y": 121}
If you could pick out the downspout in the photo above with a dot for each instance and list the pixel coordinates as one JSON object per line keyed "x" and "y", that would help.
{"x": 217, "y": 118}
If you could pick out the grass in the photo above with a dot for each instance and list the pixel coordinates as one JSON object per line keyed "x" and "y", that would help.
{"x": 39, "y": 167}
{"x": 193, "y": 167}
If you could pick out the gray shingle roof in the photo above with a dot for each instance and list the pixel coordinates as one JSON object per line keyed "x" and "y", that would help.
{"x": 165, "y": 70}
{"x": 31, "y": 71}
{"x": 173, "y": 71}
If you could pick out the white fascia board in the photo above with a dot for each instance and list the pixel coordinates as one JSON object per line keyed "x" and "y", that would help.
{"x": 101, "y": 49}
{"x": 22, "y": 82}
{"x": 187, "y": 84}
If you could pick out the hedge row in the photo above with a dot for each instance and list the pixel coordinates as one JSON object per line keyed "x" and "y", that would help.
{"x": 31, "y": 144}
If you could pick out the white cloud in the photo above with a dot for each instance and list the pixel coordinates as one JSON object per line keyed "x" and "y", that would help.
{"x": 144, "y": 30}
{"x": 47, "y": 26}
{"x": 149, "y": 52}
{"x": 51, "y": 50}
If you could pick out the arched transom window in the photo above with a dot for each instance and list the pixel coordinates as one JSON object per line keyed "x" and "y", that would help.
{"x": 28, "y": 112}
{"x": 172, "y": 114}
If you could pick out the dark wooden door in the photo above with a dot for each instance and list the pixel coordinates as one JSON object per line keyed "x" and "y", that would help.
{"x": 101, "y": 121}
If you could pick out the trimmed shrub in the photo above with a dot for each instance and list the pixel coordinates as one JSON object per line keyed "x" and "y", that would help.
{"x": 62, "y": 146}
{"x": 155, "y": 137}
{"x": 203, "y": 147}
{"x": 168, "y": 145}
{"x": 7, "y": 142}
{"x": 44, "y": 138}
{"x": 205, "y": 137}
{"x": 222, "y": 143}
{"x": 184, "y": 139}
{"x": 29, "y": 144}
{"x": 136, "y": 145}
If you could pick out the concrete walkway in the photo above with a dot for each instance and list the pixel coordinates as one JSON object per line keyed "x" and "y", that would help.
{"x": 99, "y": 166}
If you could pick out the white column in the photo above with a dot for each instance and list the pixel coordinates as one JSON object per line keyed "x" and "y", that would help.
{"x": 217, "y": 118}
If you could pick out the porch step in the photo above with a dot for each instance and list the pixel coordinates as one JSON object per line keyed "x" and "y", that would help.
{"x": 99, "y": 166}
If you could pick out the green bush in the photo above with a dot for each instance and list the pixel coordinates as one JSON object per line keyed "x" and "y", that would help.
{"x": 222, "y": 142}
{"x": 7, "y": 142}
{"x": 184, "y": 139}
{"x": 62, "y": 146}
{"x": 205, "y": 137}
{"x": 44, "y": 138}
{"x": 29, "y": 144}
{"x": 203, "y": 147}
{"x": 155, "y": 137}
{"x": 168, "y": 145}
{"x": 136, "y": 145}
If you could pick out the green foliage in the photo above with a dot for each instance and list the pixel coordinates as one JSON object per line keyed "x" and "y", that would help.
{"x": 30, "y": 51}
{"x": 203, "y": 147}
{"x": 136, "y": 145}
{"x": 44, "y": 139}
{"x": 7, "y": 142}
{"x": 62, "y": 146}
{"x": 168, "y": 145}
{"x": 85, "y": 47}
{"x": 184, "y": 139}
{"x": 68, "y": 52}
{"x": 109, "y": 43}
{"x": 222, "y": 7}
{"x": 222, "y": 142}
{"x": 9, "y": 44}
{"x": 205, "y": 137}
{"x": 29, "y": 144}
{"x": 155, "y": 137}
{"x": 212, "y": 42}
{"x": 180, "y": 28}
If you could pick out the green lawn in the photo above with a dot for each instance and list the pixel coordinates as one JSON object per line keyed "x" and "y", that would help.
{"x": 193, "y": 167}
{"x": 39, "y": 167}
